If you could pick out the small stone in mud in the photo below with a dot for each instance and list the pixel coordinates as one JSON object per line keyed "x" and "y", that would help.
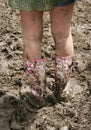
{"x": 65, "y": 128}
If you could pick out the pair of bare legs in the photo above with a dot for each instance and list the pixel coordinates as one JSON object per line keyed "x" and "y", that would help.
{"x": 32, "y": 24}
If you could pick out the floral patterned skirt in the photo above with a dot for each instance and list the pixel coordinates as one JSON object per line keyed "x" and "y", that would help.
{"x": 42, "y": 5}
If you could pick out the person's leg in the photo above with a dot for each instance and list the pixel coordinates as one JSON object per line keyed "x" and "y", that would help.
{"x": 61, "y": 20}
{"x": 32, "y": 25}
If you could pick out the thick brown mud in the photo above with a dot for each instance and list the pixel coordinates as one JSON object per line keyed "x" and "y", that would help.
{"x": 15, "y": 110}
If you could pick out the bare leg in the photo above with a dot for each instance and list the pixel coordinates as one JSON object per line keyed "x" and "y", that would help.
{"x": 32, "y": 24}
{"x": 32, "y": 34}
{"x": 61, "y": 19}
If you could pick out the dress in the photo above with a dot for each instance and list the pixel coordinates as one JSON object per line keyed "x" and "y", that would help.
{"x": 41, "y": 5}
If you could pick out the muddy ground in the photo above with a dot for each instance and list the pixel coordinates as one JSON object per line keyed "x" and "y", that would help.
{"x": 15, "y": 111}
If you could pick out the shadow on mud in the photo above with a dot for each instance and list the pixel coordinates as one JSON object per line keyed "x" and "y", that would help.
{"x": 15, "y": 112}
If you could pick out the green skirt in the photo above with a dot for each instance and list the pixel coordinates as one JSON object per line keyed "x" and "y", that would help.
{"x": 41, "y": 5}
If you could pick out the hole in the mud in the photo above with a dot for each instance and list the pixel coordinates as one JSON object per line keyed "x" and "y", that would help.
{"x": 18, "y": 83}
{"x": 89, "y": 67}
{"x": 9, "y": 57}
{"x": 2, "y": 93}
{"x": 5, "y": 51}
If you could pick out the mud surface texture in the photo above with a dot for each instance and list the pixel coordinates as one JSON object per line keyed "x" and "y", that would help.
{"x": 15, "y": 110}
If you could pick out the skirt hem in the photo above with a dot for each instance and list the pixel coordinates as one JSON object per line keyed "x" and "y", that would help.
{"x": 45, "y": 8}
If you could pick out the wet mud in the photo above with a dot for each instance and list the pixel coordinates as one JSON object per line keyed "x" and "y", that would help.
{"x": 16, "y": 112}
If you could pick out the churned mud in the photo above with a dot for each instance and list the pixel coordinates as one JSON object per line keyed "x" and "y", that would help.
{"x": 15, "y": 110}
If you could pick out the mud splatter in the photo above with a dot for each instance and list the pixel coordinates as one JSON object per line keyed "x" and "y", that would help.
{"x": 16, "y": 113}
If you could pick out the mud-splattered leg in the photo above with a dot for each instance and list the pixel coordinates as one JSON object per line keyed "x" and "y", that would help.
{"x": 61, "y": 20}
{"x": 32, "y": 25}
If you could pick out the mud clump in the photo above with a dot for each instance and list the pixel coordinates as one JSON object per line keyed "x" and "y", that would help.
{"x": 16, "y": 113}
